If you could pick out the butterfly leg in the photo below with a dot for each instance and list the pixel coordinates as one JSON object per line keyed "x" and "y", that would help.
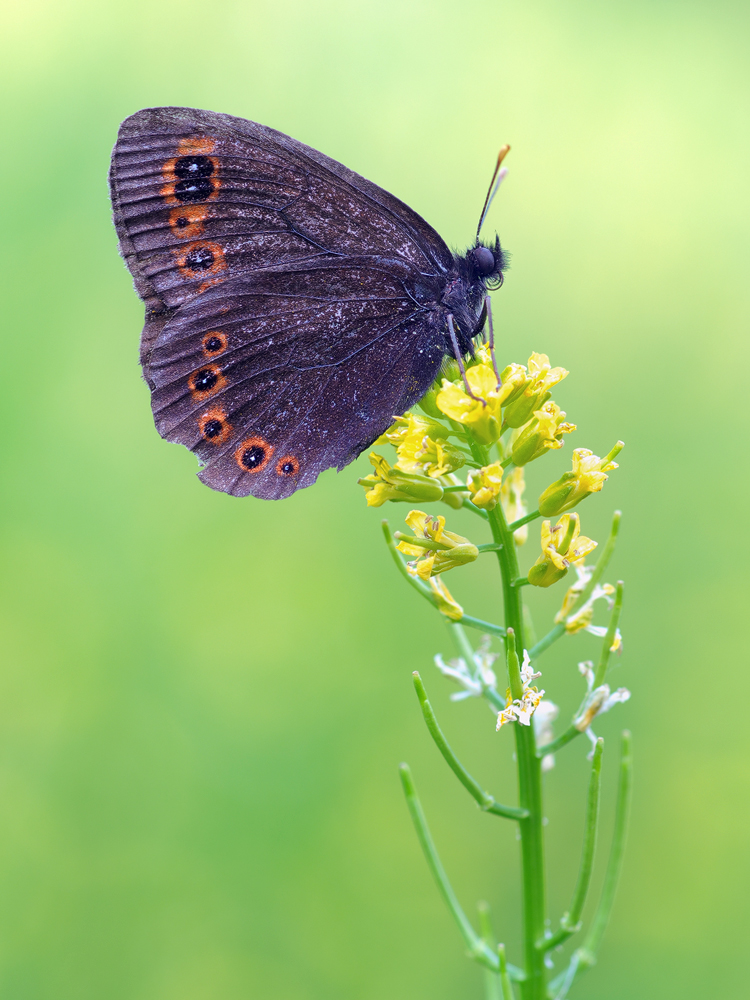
{"x": 460, "y": 360}
{"x": 488, "y": 307}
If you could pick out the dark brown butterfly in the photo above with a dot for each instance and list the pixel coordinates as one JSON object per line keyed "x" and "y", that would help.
{"x": 292, "y": 307}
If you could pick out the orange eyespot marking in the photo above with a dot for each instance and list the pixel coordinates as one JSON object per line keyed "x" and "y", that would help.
{"x": 186, "y": 221}
{"x": 200, "y": 144}
{"x": 287, "y": 465}
{"x": 214, "y": 426}
{"x": 206, "y": 382}
{"x": 208, "y": 284}
{"x": 253, "y": 455}
{"x": 214, "y": 343}
{"x": 200, "y": 259}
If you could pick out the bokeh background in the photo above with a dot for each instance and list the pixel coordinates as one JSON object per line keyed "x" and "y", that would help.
{"x": 203, "y": 700}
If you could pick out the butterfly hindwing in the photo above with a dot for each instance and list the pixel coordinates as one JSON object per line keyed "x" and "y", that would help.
{"x": 272, "y": 378}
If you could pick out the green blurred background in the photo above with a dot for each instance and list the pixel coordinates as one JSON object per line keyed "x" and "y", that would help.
{"x": 203, "y": 700}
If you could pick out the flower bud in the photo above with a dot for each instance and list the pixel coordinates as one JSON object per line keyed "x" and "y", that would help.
{"x": 588, "y": 476}
{"x": 484, "y": 485}
{"x": 393, "y": 484}
{"x": 541, "y": 434}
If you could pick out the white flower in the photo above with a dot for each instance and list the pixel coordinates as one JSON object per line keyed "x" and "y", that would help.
{"x": 545, "y": 715}
{"x": 597, "y": 701}
{"x": 521, "y": 709}
{"x": 476, "y": 682}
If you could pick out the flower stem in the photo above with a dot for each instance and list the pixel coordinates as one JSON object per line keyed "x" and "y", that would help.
{"x": 571, "y": 921}
{"x": 477, "y": 948}
{"x": 483, "y": 799}
{"x": 529, "y": 772}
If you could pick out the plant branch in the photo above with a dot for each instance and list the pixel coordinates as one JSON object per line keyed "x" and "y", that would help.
{"x": 477, "y": 948}
{"x": 585, "y": 956}
{"x": 571, "y": 921}
{"x": 483, "y": 799}
{"x": 609, "y": 638}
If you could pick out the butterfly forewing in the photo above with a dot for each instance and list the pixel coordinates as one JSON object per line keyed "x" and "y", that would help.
{"x": 287, "y": 297}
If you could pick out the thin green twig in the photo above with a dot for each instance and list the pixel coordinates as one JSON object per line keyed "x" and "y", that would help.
{"x": 571, "y": 921}
{"x": 493, "y": 986}
{"x": 609, "y": 638}
{"x": 505, "y": 982}
{"x": 483, "y": 799}
{"x": 524, "y": 520}
{"x": 585, "y": 956}
{"x": 478, "y": 950}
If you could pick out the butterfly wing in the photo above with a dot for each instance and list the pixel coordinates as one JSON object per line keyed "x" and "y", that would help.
{"x": 274, "y": 377}
{"x": 287, "y": 298}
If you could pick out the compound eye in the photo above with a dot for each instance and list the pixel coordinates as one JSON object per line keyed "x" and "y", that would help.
{"x": 483, "y": 260}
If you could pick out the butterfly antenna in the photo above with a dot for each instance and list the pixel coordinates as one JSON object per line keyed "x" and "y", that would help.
{"x": 460, "y": 360}
{"x": 497, "y": 179}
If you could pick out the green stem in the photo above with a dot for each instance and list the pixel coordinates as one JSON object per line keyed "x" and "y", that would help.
{"x": 420, "y": 587}
{"x": 609, "y": 638}
{"x": 559, "y": 743}
{"x": 483, "y": 799}
{"x": 571, "y": 921}
{"x": 529, "y": 771}
{"x": 483, "y": 626}
{"x": 584, "y": 957}
{"x": 477, "y": 948}
{"x": 505, "y": 983}
{"x": 524, "y": 520}
{"x": 489, "y": 547}
{"x": 492, "y": 979}
{"x": 614, "y": 866}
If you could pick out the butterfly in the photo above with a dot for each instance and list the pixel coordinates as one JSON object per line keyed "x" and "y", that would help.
{"x": 292, "y": 307}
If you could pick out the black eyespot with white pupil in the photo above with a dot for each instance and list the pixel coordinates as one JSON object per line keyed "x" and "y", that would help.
{"x": 204, "y": 380}
{"x": 212, "y": 428}
{"x": 213, "y": 345}
{"x": 199, "y": 259}
{"x": 253, "y": 456}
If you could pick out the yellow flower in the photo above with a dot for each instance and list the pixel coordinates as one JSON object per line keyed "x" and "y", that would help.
{"x": 446, "y": 604}
{"x": 436, "y": 549}
{"x": 542, "y": 378}
{"x": 422, "y": 447}
{"x": 511, "y": 497}
{"x": 393, "y": 484}
{"x": 562, "y": 546}
{"x": 588, "y": 476}
{"x": 480, "y": 415}
{"x": 541, "y": 434}
{"x": 485, "y": 485}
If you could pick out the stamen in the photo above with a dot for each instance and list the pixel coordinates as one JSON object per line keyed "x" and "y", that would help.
{"x": 460, "y": 360}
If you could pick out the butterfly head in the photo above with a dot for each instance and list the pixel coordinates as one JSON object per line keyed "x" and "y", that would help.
{"x": 487, "y": 263}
